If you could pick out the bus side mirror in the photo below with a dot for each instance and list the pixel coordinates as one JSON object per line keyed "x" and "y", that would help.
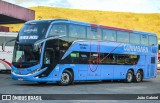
{"x": 4, "y": 43}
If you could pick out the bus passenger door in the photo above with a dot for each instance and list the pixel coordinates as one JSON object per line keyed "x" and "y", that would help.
{"x": 50, "y": 61}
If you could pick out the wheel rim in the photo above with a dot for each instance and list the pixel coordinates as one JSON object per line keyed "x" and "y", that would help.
{"x": 129, "y": 77}
{"x": 138, "y": 77}
{"x": 65, "y": 78}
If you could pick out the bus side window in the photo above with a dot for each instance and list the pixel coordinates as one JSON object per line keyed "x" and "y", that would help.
{"x": 77, "y": 31}
{"x": 122, "y": 36}
{"x": 152, "y": 40}
{"x": 92, "y": 33}
{"x": 83, "y": 58}
{"x": 107, "y": 58}
{"x": 109, "y": 35}
{"x": 74, "y": 57}
{"x": 120, "y": 59}
{"x": 48, "y": 57}
{"x": 58, "y": 29}
{"x": 134, "y": 59}
{"x": 153, "y": 60}
{"x": 135, "y": 38}
{"x": 144, "y": 39}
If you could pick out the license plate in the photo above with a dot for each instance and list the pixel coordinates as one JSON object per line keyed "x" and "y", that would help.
{"x": 20, "y": 79}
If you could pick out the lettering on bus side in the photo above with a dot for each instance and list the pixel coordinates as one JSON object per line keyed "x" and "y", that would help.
{"x": 133, "y": 48}
{"x": 83, "y": 46}
{"x": 28, "y": 37}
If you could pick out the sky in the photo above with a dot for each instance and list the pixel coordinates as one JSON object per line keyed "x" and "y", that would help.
{"x": 137, "y": 6}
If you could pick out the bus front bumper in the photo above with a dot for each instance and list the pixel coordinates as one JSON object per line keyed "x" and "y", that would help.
{"x": 31, "y": 77}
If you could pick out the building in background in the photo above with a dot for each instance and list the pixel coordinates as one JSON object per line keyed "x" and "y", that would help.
{"x": 10, "y": 14}
{"x": 4, "y": 29}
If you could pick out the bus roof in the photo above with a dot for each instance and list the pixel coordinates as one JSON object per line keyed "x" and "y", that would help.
{"x": 89, "y": 24}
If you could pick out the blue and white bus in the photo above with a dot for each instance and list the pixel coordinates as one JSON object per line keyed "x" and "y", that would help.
{"x": 65, "y": 51}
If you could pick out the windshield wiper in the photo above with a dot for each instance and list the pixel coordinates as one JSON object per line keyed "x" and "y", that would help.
{"x": 37, "y": 43}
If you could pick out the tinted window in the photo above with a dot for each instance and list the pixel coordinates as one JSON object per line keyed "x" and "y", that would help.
{"x": 153, "y": 60}
{"x": 48, "y": 57}
{"x": 134, "y": 38}
{"x": 109, "y": 35}
{"x": 119, "y": 59}
{"x": 93, "y": 59}
{"x": 107, "y": 58}
{"x": 92, "y": 33}
{"x": 102, "y": 58}
{"x": 84, "y": 56}
{"x": 152, "y": 40}
{"x": 38, "y": 30}
{"x": 72, "y": 58}
{"x": 58, "y": 29}
{"x": 131, "y": 59}
{"x": 122, "y": 36}
{"x": 77, "y": 31}
{"x": 144, "y": 39}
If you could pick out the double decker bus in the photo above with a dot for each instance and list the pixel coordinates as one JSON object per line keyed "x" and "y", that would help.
{"x": 6, "y": 56}
{"x": 65, "y": 51}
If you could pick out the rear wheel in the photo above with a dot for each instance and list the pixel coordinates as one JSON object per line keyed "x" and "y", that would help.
{"x": 139, "y": 76}
{"x": 129, "y": 76}
{"x": 66, "y": 78}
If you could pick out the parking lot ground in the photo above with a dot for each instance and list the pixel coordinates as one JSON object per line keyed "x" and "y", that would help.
{"x": 148, "y": 86}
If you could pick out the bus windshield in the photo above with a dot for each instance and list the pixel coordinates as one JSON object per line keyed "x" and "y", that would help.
{"x": 25, "y": 54}
{"x": 33, "y": 32}
{"x": 34, "y": 29}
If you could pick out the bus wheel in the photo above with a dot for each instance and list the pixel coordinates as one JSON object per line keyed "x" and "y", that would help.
{"x": 139, "y": 76}
{"x": 129, "y": 76}
{"x": 66, "y": 78}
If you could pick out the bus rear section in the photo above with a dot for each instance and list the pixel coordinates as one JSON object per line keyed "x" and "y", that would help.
{"x": 7, "y": 54}
{"x": 158, "y": 66}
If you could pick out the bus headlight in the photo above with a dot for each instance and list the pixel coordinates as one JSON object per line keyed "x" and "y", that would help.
{"x": 37, "y": 70}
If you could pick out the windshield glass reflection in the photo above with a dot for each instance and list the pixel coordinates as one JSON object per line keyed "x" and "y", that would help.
{"x": 25, "y": 54}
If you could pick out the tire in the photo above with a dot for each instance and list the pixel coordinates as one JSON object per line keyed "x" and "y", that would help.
{"x": 139, "y": 76}
{"x": 42, "y": 83}
{"x": 66, "y": 78}
{"x": 129, "y": 76}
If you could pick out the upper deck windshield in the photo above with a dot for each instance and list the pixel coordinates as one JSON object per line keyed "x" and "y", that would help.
{"x": 25, "y": 54}
{"x": 32, "y": 32}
